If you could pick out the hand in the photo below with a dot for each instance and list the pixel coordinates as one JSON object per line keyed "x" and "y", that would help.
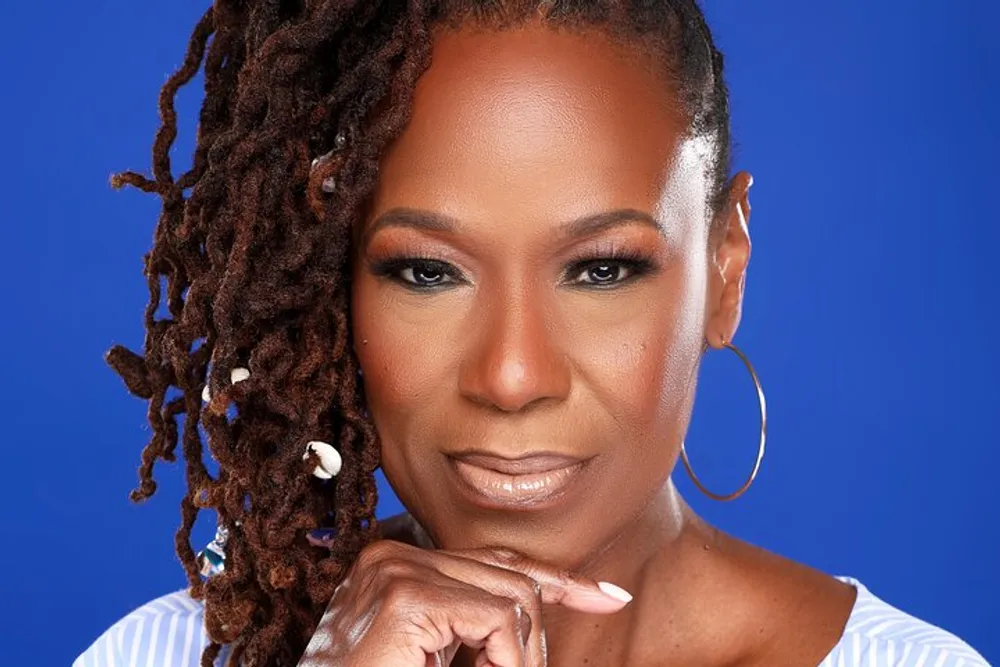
{"x": 401, "y": 606}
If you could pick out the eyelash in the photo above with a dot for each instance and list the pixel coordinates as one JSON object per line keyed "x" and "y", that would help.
{"x": 392, "y": 267}
{"x": 636, "y": 264}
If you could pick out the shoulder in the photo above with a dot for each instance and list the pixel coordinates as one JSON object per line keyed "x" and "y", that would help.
{"x": 166, "y": 631}
{"x": 878, "y": 634}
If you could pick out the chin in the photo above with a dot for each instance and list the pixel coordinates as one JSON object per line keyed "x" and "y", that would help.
{"x": 544, "y": 538}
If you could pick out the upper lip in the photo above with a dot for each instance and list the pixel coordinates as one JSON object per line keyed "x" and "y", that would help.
{"x": 528, "y": 464}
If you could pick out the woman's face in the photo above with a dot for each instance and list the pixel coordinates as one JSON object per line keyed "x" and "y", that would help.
{"x": 533, "y": 284}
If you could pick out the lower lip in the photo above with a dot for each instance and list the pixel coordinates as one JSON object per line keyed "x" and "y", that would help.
{"x": 497, "y": 490}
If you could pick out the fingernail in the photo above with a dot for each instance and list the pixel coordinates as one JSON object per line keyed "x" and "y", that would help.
{"x": 615, "y": 592}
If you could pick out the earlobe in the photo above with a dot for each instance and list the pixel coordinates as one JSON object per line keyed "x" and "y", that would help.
{"x": 732, "y": 255}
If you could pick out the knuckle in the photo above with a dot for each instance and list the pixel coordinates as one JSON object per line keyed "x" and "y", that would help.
{"x": 375, "y": 553}
{"x": 393, "y": 567}
{"x": 518, "y": 577}
{"x": 401, "y": 592}
{"x": 565, "y": 578}
{"x": 524, "y": 585}
{"x": 507, "y": 556}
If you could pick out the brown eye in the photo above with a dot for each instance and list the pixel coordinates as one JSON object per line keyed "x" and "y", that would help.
{"x": 419, "y": 274}
{"x": 609, "y": 272}
{"x": 425, "y": 276}
{"x": 602, "y": 274}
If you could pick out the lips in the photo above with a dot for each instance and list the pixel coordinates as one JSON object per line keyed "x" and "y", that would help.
{"x": 526, "y": 482}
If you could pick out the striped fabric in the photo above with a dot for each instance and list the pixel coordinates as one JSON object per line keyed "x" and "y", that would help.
{"x": 878, "y": 635}
{"x": 168, "y": 632}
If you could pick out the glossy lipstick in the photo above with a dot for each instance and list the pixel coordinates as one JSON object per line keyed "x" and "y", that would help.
{"x": 524, "y": 482}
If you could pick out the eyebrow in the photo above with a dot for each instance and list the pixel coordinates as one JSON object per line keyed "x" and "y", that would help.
{"x": 436, "y": 222}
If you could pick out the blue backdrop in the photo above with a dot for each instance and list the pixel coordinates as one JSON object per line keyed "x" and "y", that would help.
{"x": 871, "y": 128}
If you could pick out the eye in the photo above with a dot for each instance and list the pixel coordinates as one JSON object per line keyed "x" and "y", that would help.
{"x": 424, "y": 274}
{"x": 420, "y": 274}
{"x": 604, "y": 273}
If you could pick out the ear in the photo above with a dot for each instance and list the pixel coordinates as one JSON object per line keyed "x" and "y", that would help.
{"x": 730, "y": 248}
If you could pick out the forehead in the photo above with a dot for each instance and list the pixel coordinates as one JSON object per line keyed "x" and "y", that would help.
{"x": 540, "y": 125}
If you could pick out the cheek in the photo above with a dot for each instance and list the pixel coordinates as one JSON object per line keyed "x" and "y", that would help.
{"x": 404, "y": 360}
{"x": 642, "y": 366}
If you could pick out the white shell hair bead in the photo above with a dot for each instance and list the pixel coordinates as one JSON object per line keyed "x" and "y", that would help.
{"x": 329, "y": 459}
{"x": 236, "y": 375}
{"x": 239, "y": 375}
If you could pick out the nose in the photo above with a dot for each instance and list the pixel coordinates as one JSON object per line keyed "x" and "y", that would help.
{"x": 515, "y": 362}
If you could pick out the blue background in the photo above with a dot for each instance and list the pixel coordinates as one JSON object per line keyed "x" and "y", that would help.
{"x": 870, "y": 313}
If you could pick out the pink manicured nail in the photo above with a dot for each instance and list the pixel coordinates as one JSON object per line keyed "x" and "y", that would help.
{"x": 615, "y": 592}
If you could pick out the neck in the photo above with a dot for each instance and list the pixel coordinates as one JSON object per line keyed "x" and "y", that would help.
{"x": 662, "y": 558}
{"x": 645, "y": 559}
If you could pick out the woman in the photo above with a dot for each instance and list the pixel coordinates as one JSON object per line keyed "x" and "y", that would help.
{"x": 483, "y": 246}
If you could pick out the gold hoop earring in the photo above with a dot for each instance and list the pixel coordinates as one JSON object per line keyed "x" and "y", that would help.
{"x": 760, "y": 447}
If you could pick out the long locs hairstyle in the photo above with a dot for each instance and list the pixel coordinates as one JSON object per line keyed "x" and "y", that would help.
{"x": 250, "y": 268}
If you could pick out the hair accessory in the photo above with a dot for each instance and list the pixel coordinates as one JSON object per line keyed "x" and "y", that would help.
{"x": 760, "y": 445}
{"x": 239, "y": 375}
{"x": 339, "y": 142}
{"x": 212, "y": 559}
{"x": 329, "y": 459}
{"x": 236, "y": 375}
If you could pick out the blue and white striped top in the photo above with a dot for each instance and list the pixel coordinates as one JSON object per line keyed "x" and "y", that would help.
{"x": 168, "y": 632}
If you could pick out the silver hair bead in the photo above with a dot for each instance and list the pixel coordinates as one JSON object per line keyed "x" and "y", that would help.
{"x": 318, "y": 161}
{"x": 339, "y": 142}
{"x": 212, "y": 559}
{"x": 330, "y": 183}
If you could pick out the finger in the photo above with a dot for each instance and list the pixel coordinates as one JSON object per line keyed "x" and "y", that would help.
{"x": 476, "y": 618}
{"x": 500, "y": 582}
{"x": 400, "y": 612}
{"x": 545, "y": 584}
{"x": 520, "y": 588}
{"x": 558, "y": 586}
{"x": 445, "y": 570}
{"x": 509, "y": 574}
{"x": 429, "y": 615}
{"x": 483, "y": 567}
{"x": 503, "y": 573}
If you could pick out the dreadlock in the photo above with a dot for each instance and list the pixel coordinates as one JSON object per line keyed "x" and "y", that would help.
{"x": 252, "y": 251}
